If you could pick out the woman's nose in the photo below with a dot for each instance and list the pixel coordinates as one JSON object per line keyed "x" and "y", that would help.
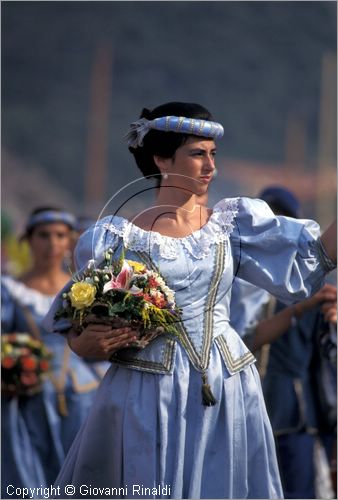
{"x": 210, "y": 162}
{"x": 53, "y": 242}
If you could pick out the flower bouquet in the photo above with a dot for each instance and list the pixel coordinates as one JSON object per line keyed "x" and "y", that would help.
{"x": 121, "y": 293}
{"x": 24, "y": 364}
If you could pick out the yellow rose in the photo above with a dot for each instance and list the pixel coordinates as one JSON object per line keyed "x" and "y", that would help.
{"x": 137, "y": 266}
{"x": 82, "y": 295}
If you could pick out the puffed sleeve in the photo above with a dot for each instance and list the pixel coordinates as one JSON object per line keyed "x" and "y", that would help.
{"x": 93, "y": 243}
{"x": 91, "y": 246}
{"x": 280, "y": 254}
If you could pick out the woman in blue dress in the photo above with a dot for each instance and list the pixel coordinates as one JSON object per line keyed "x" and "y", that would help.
{"x": 150, "y": 432}
{"x": 37, "y": 430}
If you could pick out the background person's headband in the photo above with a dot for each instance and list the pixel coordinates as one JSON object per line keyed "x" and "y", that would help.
{"x": 179, "y": 124}
{"x": 50, "y": 216}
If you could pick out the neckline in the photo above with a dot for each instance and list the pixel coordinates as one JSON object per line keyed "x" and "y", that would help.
{"x": 33, "y": 291}
{"x": 149, "y": 231}
{"x": 217, "y": 228}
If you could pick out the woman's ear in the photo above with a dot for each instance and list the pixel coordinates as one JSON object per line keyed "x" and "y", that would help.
{"x": 162, "y": 163}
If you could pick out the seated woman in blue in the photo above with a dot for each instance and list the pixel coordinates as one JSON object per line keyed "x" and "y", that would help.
{"x": 37, "y": 430}
{"x": 150, "y": 433}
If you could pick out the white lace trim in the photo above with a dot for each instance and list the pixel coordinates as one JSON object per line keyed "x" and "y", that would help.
{"x": 198, "y": 244}
{"x": 28, "y": 296}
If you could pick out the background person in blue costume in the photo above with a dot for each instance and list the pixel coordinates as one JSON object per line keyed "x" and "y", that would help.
{"x": 298, "y": 363}
{"x": 38, "y": 430}
{"x": 150, "y": 425}
{"x": 250, "y": 304}
{"x": 301, "y": 368}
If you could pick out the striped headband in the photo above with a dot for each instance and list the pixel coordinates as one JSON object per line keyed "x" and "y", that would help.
{"x": 179, "y": 124}
{"x": 50, "y": 216}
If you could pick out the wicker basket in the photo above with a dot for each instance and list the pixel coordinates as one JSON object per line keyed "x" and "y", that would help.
{"x": 12, "y": 390}
{"x": 144, "y": 336}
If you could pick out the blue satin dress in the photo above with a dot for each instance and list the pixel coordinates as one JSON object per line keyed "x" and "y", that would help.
{"x": 148, "y": 435}
{"x": 37, "y": 431}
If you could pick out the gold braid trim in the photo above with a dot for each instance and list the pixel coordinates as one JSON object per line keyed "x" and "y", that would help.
{"x": 84, "y": 387}
{"x": 200, "y": 362}
{"x": 60, "y": 382}
{"x": 163, "y": 367}
{"x": 210, "y": 304}
{"x": 233, "y": 365}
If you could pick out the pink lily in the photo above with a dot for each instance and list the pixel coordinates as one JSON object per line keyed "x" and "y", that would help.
{"x": 122, "y": 281}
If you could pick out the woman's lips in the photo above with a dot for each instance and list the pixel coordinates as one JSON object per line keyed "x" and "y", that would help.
{"x": 206, "y": 178}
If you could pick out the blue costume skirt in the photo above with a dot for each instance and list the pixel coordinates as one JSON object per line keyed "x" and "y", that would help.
{"x": 149, "y": 436}
{"x": 35, "y": 438}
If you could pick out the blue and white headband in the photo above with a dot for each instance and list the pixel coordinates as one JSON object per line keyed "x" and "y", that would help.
{"x": 179, "y": 124}
{"x": 51, "y": 216}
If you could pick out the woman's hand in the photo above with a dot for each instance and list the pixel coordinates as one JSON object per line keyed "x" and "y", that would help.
{"x": 100, "y": 341}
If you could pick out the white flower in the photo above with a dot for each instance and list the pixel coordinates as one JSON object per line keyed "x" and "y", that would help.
{"x": 151, "y": 273}
{"x": 160, "y": 281}
{"x": 91, "y": 264}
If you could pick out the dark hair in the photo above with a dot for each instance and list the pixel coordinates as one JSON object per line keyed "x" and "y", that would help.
{"x": 164, "y": 144}
{"x": 281, "y": 201}
{"x": 29, "y": 230}
{"x": 279, "y": 209}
